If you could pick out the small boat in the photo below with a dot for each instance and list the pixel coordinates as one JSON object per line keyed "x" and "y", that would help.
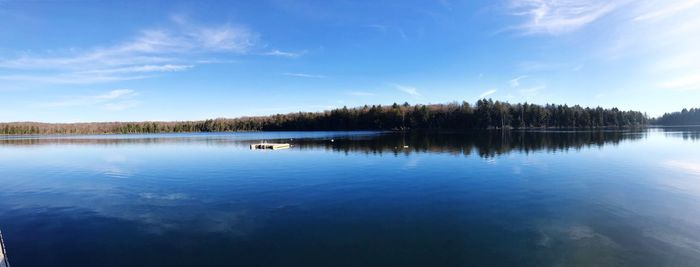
{"x": 4, "y": 262}
{"x": 272, "y": 146}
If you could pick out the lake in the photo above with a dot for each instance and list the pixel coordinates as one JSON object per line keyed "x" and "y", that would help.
{"x": 481, "y": 198}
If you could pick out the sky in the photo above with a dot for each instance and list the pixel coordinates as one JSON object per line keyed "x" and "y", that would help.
{"x": 84, "y": 61}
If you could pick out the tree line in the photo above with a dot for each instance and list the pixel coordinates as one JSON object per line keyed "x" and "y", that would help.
{"x": 484, "y": 114}
{"x": 684, "y": 117}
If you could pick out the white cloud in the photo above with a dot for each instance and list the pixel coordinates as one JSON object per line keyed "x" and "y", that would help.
{"x": 676, "y": 62}
{"x": 225, "y": 38}
{"x": 670, "y": 8}
{"x": 388, "y": 29}
{"x": 686, "y": 26}
{"x": 515, "y": 82}
{"x": 71, "y": 78}
{"x": 378, "y": 27}
{"x": 150, "y": 51}
{"x": 531, "y": 91}
{"x": 686, "y": 82}
{"x": 143, "y": 68}
{"x": 303, "y": 75}
{"x": 541, "y": 66}
{"x": 559, "y": 16}
{"x": 97, "y": 75}
{"x": 361, "y": 93}
{"x": 114, "y": 100}
{"x": 408, "y": 89}
{"x": 279, "y": 53}
{"x": 659, "y": 38}
{"x": 114, "y": 94}
{"x": 487, "y": 93}
{"x": 149, "y": 47}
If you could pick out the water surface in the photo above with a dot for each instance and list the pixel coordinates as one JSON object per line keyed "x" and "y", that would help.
{"x": 539, "y": 198}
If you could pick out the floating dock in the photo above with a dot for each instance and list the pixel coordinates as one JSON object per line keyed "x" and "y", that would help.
{"x": 269, "y": 146}
{"x": 3, "y": 254}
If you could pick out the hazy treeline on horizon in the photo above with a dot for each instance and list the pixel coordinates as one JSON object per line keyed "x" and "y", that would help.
{"x": 683, "y": 117}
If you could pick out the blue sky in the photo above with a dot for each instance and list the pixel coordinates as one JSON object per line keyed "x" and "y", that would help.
{"x": 70, "y": 61}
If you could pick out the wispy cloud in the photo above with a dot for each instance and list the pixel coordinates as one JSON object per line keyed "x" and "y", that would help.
{"x": 279, "y": 53}
{"x": 677, "y": 62}
{"x": 515, "y": 82}
{"x": 531, "y": 91}
{"x": 542, "y": 66}
{"x": 115, "y": 94}
{"x": 149, "y": 47}
{"x": 408, "y": 90}
{"x": 378, "y": 27}
{"x": 670, "y": 8}
{"x": 388, "y": 29}
{"x": 114, "y": 100}
{"x": 661, "y": 38}
{"x": 97, "y": 75}
{"x": 304, "y": 75}
{"x": 143, "y": 68}
{"x": 361, "y": 93}
{"x": 683, "y": 83}
{"x": 157, "y": 50}
{"x": 487, "y": 93}
{"x": 667, "y": 33}
{"x": 559, "y": 16}
{"x": 71, "y": 78}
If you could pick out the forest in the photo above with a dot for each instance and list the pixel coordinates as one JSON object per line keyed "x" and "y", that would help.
{"x": 484, "y": 114}
{"x": 684, "y": 117}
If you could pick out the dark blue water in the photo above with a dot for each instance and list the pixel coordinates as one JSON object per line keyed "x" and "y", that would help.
{"x": 605, "y": 198}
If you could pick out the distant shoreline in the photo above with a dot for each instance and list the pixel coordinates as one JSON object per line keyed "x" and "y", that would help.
{"x": 484, "y": 114}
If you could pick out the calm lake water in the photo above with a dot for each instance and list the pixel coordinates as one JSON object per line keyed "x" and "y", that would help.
{"x": 557, "y": 198}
